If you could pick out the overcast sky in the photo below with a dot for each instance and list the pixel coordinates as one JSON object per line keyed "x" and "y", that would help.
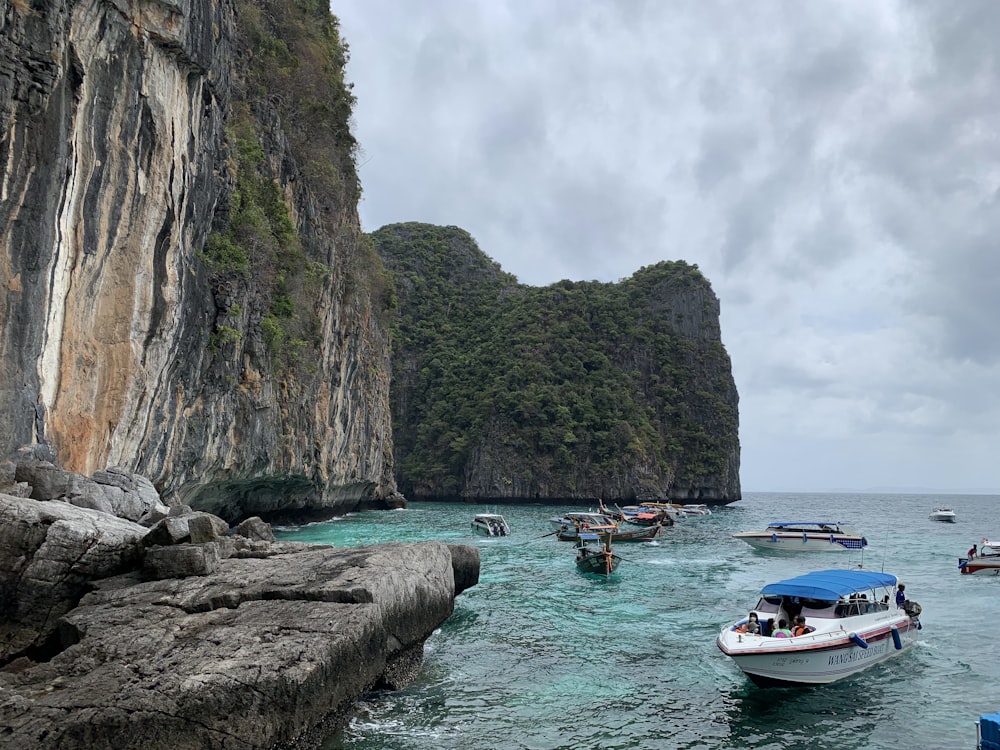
{"x": 832, "y": 167}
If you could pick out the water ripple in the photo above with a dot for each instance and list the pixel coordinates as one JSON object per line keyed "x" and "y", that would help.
{"x": 537, "y": 656}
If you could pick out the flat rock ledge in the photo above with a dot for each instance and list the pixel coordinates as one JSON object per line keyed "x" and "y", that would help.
{"x": 265, "y": 651}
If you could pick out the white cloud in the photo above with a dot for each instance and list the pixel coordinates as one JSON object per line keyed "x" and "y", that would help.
{"x": 833, "y": 167}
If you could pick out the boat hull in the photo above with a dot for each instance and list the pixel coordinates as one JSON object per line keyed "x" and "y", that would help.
{"x": 817, "y": 659}
{"x": 476, "y": 529}
{"x": 636, "y": 534}
{"x": 798, "y": 542}
{"x": 598, "y": 563}
{"x": 490, "y": 525}
{"x": 979, "y": 567}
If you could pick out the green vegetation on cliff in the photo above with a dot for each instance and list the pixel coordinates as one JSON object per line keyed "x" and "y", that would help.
{"x": 292, "y": 74}
{"x": 577, "y": 389}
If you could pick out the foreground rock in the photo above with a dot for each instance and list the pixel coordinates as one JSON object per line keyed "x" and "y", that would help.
{"x": 262, "y": 653}
{"x": 49, "y": 554}
{"x": 160, "y": 627}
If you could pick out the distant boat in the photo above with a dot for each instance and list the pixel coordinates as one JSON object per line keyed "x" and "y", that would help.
{"x": 986, "y": 561}
{"x": 804, "y": 536}
{"x": 583, "y": 519}
{"x": 694, "y": 510}
{"x": 594, "y": 555}
{"x": 943, "y": 514}
{"x": 614, "y": 533}
{"x": 850, "y": 632}
{"x": 490, "y": 524}
{"x": 637, "y": 515}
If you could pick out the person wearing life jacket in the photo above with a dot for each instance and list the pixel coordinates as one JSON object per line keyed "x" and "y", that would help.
{"x": 800, "y": 627}
{"x": 752, "y": 625}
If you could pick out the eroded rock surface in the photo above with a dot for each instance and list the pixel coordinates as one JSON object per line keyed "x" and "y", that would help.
{"x": 189, "y": 634}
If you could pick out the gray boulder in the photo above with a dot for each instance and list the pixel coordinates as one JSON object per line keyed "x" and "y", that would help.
{"x": 181, "y": 560}
{"x": 182, "y": 527}
{"x": 255, "y": 529}
{"x": 49, "y": 552}
{"x": 114, "y": 490}
{"x": 258, "y": 654}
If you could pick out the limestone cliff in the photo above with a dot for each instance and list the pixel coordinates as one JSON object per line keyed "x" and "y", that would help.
{"x": 570, "y": 392}
{"x": 185, "y": 289}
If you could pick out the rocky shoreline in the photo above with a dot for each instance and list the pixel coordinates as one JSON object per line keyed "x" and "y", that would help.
{"x": 164, "y": 628}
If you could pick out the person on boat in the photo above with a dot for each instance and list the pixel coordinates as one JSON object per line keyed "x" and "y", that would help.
{"x": 752, "y": 625}
{"x": 900, "y": 596}
{"x": 973, "y": 551}
{"x": 800, "y": 627}
{"x": 769, "y": 627}
{"x": 782, "y": 631}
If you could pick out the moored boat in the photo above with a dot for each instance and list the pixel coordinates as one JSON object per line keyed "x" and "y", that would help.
{"x": 594, "y": 555}
{"x": 583, "y": 519}
{"x": 849, "y": 633}
{"x": 490, "y": 524}
{"x": 804, "y": 536}
{"x": 636, "y": 515}
{"x": 982, "y": 562}
{"x": 694, "y": 510}
{"x": 671, "y": 509}
{"x": 614, "y": 533}
{"x": 943, "y": 514}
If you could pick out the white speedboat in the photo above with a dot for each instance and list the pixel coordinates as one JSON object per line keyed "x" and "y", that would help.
{"x": 986, "y": 561}
{"x": 694, "y": 510}
{"x": 943, "y": 514}
{"x": 849, "y": 634}
{"x": 490, "y": 524}
{"x": 804, "y": 536}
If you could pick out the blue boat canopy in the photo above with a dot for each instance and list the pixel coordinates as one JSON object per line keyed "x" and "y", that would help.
{"x": 782, "y": 524}
{"x": 829, "y": 585}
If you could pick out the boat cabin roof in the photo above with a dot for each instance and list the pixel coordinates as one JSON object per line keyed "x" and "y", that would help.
{"x": 829, "y": 585}
{"x": 584, "y": 516}
{"x": 494, "y": 516}
{"x": 806, "y": 524}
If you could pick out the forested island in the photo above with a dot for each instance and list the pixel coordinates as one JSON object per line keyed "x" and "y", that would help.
{"x": 574, "y": 391}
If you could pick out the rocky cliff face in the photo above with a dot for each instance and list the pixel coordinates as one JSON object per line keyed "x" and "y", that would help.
{"x": 134, "y": 137}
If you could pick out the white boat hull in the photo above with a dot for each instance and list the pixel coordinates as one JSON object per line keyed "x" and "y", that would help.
{"x": 945, "y": 517}
{"x": 819, "y": 658}
{"x": 799, "y": 542}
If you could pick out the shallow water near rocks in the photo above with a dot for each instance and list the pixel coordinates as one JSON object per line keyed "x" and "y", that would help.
{"x": 539, "y": 656}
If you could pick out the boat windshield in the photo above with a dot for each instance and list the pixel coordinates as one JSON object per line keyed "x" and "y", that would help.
{"x": 768, "y": 604}
{"x": 807, "y": 526}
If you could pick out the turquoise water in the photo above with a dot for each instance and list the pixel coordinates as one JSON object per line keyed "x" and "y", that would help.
{"x": 538, "y": 656}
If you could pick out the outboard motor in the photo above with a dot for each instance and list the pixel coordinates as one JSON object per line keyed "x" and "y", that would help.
{"x": 913, "y": 610}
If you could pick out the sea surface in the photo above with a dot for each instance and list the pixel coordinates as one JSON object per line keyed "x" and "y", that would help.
{"x": 542, "y": 657}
